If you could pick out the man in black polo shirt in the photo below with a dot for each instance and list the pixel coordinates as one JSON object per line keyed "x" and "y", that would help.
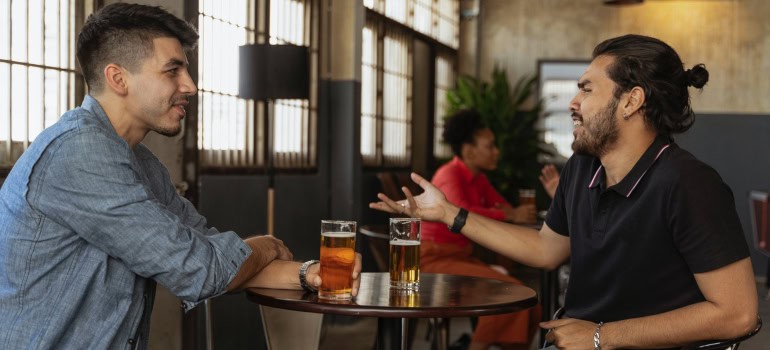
{"x": 658, "y": 257}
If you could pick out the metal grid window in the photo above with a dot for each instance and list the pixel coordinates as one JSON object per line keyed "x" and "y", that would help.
{"x": 445, "y": 81}
{"x": 294, "y": 121}
{"x": 231, "y": 130}
{"x": 227, "y": 134}
{"x": 37, "y": 70}
{"x": 438, "y": 19}
{"x": 386, "y": 96}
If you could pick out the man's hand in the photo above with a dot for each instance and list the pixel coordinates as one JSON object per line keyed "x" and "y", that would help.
{"x": 314, "y": 275}
{"x": 265, "y": 249}
{"x": 571, "y": 334}
{"x": 523, "y": 214}
{"x": 431, "y": 205}
{"x": 269, "y": 247}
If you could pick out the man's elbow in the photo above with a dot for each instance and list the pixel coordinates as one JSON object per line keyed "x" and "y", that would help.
{"x": 744, "y": 322}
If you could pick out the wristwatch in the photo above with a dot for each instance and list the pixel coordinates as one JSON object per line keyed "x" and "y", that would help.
{"x": 303, "y": 276}
{"x": 459, "y": 222}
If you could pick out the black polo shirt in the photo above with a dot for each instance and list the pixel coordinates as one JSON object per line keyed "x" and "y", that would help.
{"x": 636, "y": 245}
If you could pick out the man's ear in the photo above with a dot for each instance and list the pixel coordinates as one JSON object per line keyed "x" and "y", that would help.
{"x": 116, "y": 79}
{"x": 634, "y": 101}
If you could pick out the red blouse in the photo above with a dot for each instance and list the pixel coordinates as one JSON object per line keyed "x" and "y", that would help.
{"x": 465, "y": 190}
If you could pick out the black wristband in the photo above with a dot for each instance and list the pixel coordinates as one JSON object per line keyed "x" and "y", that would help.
{"x": 459, "y": 221}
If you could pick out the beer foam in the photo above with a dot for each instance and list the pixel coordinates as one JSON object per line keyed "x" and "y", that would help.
{"x": 339, "y": 234}
{"x": 404, "y": 242}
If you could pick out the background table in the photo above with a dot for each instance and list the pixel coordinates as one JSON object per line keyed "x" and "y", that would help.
{"x": 439, "y": 296}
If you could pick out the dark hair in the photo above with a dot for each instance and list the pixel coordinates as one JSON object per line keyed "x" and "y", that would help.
{"x": 655, "y": 67}
{"x": 460, "y": 128}
{"x": 122, "y": 33}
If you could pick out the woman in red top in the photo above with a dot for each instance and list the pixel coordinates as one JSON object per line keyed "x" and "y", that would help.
{"x": 463, "y": 182}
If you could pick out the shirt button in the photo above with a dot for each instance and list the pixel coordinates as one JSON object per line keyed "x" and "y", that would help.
{"x": 131, "y": 341}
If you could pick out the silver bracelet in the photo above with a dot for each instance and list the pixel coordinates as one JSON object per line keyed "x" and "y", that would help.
{"x": 597, "y": 333}
{"x": 303, "y": 276}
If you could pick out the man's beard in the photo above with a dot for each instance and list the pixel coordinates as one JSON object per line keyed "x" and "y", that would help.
{"x": 599, "y": 134}
{"x": 170, "y": 132}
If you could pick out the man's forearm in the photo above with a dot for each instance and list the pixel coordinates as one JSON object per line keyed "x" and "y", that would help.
{"x": 730, "y": 311}
{"x": 278, "y": 274}
{"x": 257, "y": 261}
{"x": 675, "y": 328}
{"x": 523, "y": 244}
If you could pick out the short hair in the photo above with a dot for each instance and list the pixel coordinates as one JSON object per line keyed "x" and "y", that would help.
{"x": 460, "y": 128}
{"x": 123, "y": 34}
{"x": 655, "y": 67}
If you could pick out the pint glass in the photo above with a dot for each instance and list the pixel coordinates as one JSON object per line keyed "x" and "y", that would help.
{"x": 526, "y": 196}
{"x": 404, "y": 259}
{"x": 338, "y": 242}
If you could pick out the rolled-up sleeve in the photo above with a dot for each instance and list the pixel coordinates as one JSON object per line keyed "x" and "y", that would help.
{"x": 97, "y": 191}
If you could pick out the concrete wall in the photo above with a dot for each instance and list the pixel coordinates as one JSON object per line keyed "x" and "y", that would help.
{"x": 731, "y": 37}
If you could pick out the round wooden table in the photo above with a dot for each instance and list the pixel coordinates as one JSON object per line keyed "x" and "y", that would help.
{"x": 439, "y": 296}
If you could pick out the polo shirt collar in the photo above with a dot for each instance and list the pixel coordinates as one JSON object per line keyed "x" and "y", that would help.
{"x": 462, "y": 169}
{"x": 626, "y": 186}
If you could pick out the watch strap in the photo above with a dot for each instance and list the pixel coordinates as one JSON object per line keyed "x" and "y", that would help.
{"x": 303, "y": 275}
{"x": 459, "y": 221}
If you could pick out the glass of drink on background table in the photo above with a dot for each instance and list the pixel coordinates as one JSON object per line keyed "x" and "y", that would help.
{"x": 526, "y": 196}
{"x": 338, "y": 255}
{"x": 404, "y": 259}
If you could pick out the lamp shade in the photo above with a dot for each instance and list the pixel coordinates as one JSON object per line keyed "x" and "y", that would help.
{"x": 274, "y": 71}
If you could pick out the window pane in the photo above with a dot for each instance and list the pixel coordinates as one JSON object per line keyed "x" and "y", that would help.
{"x": 19, "y": 31}
{"x": 439, "y": 19}
{"x": 231, "y": 129}
{"x": 293, "y": 134}
{"x": 32, "y": 94}
{"x": 5, "y": 29}
{"x": 5, "y": 115}
{"x": 369, "y": 95}
{"x": 396, "y": 100}
{"x": 225, "y": 122}
{"x": 445, "y": 79}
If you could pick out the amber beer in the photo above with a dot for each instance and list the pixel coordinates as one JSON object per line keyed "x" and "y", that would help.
{"x": 404, "y": 258}
{"x": 337, "y": 259}
{"x": 404, "y": 297}
{"x": 526, "y": 196}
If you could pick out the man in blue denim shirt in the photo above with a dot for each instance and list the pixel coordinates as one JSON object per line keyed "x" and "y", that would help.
{"x": 89, "y": 219}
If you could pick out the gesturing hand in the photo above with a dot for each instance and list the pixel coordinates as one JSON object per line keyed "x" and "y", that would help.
{"x": 549, "y": 177}
{"x": 430, "y": 205}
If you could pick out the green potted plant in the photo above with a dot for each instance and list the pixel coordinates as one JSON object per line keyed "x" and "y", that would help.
{"x": 503, "y": 110}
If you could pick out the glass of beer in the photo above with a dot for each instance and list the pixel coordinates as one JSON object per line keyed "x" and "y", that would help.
{"x": 404, "y": 297}
{"x": 404, "y": 259}
{"x": 338, "y": 255}
{"x": 526, "y": 196}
